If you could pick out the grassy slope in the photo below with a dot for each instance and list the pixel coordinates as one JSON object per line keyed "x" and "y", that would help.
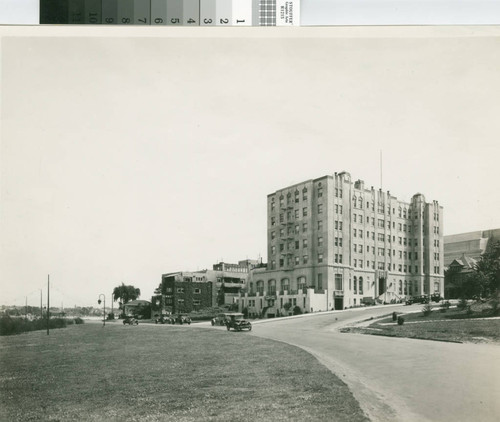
{"x": 453, "y": 325}
{"x": 152, "y": 373}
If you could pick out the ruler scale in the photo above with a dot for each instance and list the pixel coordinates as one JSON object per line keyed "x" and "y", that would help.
{"x": 171, "y": 12}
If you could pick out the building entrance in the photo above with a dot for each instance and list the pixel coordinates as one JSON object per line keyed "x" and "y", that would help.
{"x": 339, "y": 303}
{"x": 381, "y": 286}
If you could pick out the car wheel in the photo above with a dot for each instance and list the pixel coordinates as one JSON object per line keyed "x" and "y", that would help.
{"x": 249, "y": 328}
{"x": 228, "y": 328}
{"x": 213, "y": 323}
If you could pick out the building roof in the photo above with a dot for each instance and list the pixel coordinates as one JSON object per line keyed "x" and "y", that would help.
{"x": 137, "y": 302}
{"x": 465, "y": 261}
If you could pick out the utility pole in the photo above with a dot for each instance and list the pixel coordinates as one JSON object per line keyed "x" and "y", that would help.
{"x": 41, "y": 306}
{"x": 48, "y": 302}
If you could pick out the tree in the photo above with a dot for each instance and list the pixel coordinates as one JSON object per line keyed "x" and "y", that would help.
{"x": 125, "y": 294}
{"x": 485, "y": 279}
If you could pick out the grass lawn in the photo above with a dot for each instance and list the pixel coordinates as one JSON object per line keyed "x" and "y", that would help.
{"x": 164, "y": 373}
{"x": 452, "y": 325}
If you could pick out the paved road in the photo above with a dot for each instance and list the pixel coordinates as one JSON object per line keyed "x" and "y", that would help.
{"x": 399, "y": 379}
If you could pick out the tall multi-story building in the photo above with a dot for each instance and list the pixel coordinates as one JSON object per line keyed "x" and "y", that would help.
{"x": 333, "y": 244}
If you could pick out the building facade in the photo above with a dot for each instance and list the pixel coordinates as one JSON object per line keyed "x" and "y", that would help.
{"x": 187, "y": 291}
{"x": 471, "y": 244}
{"x": 334, "y": 244}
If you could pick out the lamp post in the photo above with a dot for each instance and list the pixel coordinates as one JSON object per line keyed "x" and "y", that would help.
{"x": 103, "y": 308}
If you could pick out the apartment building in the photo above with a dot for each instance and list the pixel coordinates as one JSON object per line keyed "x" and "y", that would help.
{"x": 185, "y": 291}
{"x": 333, "y": 244}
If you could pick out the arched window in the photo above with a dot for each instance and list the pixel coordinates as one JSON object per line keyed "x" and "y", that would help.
{"x": 285, "y": 284}
{"x": 400, "y": 290}
{"x": 360, "y": 285}
{"x": 301, "y": 281}
{"x": 260, "y": 287}
{"x": 271, "y": 287}
{"x": 361, "y": 203}
{"x": 355, "y": 285}
{"x": 354, "y": 202}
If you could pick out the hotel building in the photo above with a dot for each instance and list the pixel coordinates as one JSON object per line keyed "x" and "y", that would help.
{"x": 333, "y": 244}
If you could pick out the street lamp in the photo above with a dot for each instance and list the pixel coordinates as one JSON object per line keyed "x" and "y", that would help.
{"x": 103, "y": 308}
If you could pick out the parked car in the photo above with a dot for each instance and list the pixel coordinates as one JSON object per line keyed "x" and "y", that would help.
{"x": 417, "y": 299}
{"x": 222, "y": 318}
{"x": 130, "y": 321}
{"x": 436, "y": 297}
{"x": 182, "y": 319}
{"x": 237, "y": 322}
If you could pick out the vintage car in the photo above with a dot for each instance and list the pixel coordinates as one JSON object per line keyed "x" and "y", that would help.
{"x": 237, "y": 322}
{"x": 182, "y": 319}
{"x": 130, "y": 321}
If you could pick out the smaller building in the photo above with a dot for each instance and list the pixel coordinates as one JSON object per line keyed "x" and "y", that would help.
{"x": 140, "y": 308}
{"x": 455, "y": 275}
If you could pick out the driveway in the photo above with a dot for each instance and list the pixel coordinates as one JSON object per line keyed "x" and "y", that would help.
{"x": 398, "y": 379}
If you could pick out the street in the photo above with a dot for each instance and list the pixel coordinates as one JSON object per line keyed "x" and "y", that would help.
{"x": 397, "y": 379}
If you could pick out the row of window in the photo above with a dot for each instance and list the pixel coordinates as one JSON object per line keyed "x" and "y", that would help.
{"x": 181, "y": 290}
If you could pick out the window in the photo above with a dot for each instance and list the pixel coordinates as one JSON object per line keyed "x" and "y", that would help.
{"x": 296, "y": 196}
{"x": 196, "y": 302}
{"x": 273, "y": 235}
{"x": 305, "y": 258}
{"x": 304, "y": 227}
{"x": 320, "y": 208}
{"x": 340, "y": 241}
{"x": 297, "y": 244}
{"x": 273, "y": 221}
{"x": 338, "y": 282}
{"x": 354, "y": 232}
{"x": 340, "y": 193}
{"x": 381, "y": 251}
{"x": 320, "y": 192}
{"x": 360, "y": 248}
{"x": 304, "y": 243}
{"x": 381, "y": 223}
{"x": 355, "y": 262}
{"x": 320, "y": 241}
{"x": 320, "y": 281}
{"x": 336, "y": 258}
{"x": 282, "y": 232}
{"x": 380, "y": 237}
{"x": 304, "y": 211}
{"x": 282, "y": 262}
{"x": 304, "y": 194}
{"x": 340, "y": 209}
{"x": 336, "y": 242}
{"x": 360, "y": 263}
{"x": 360, "y": 285}
{"x": 282, "y": 247}
{"x": 340, "y": 225}
{"x": 297, "y": 229}
{"x": 273, "y": 265}
{"x": 336, "y": 208}
{"x": 180, "y": 290}
{"x": 180, "y": 301}
{"x": 400, "y": 254}
{"x": 355, "y": 285}
{"x": 355, "y": 218}
{"x": 320, "y": 225}
{"x": 197, "y": 291}
{"x": 355, "y": 247}
{"x": 340, "y": 258}
{"x": 336, "y": 192}
{"x": 336, "y": 225}
{"x": 354, "y": 202}
{"x": 297, "y": 260}
{"x": 296, "y": 214}
{"x": 320, "y": 258}
{"x": 361, "y": 234}
{"x": 273, "y": 250}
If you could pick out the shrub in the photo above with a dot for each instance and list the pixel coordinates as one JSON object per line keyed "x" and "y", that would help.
{"x": 297, "y": 310}
{"x": 462, "y": 304}
{"x": 427, "y": 309}
{"x": 78, "y": 320}
{"x": 401, "y": 320}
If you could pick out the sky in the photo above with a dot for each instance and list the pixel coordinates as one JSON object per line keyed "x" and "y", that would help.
{"x": 124, "y": 158}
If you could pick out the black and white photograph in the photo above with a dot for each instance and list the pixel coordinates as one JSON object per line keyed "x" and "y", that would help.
{"x": 272, "y": 224}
